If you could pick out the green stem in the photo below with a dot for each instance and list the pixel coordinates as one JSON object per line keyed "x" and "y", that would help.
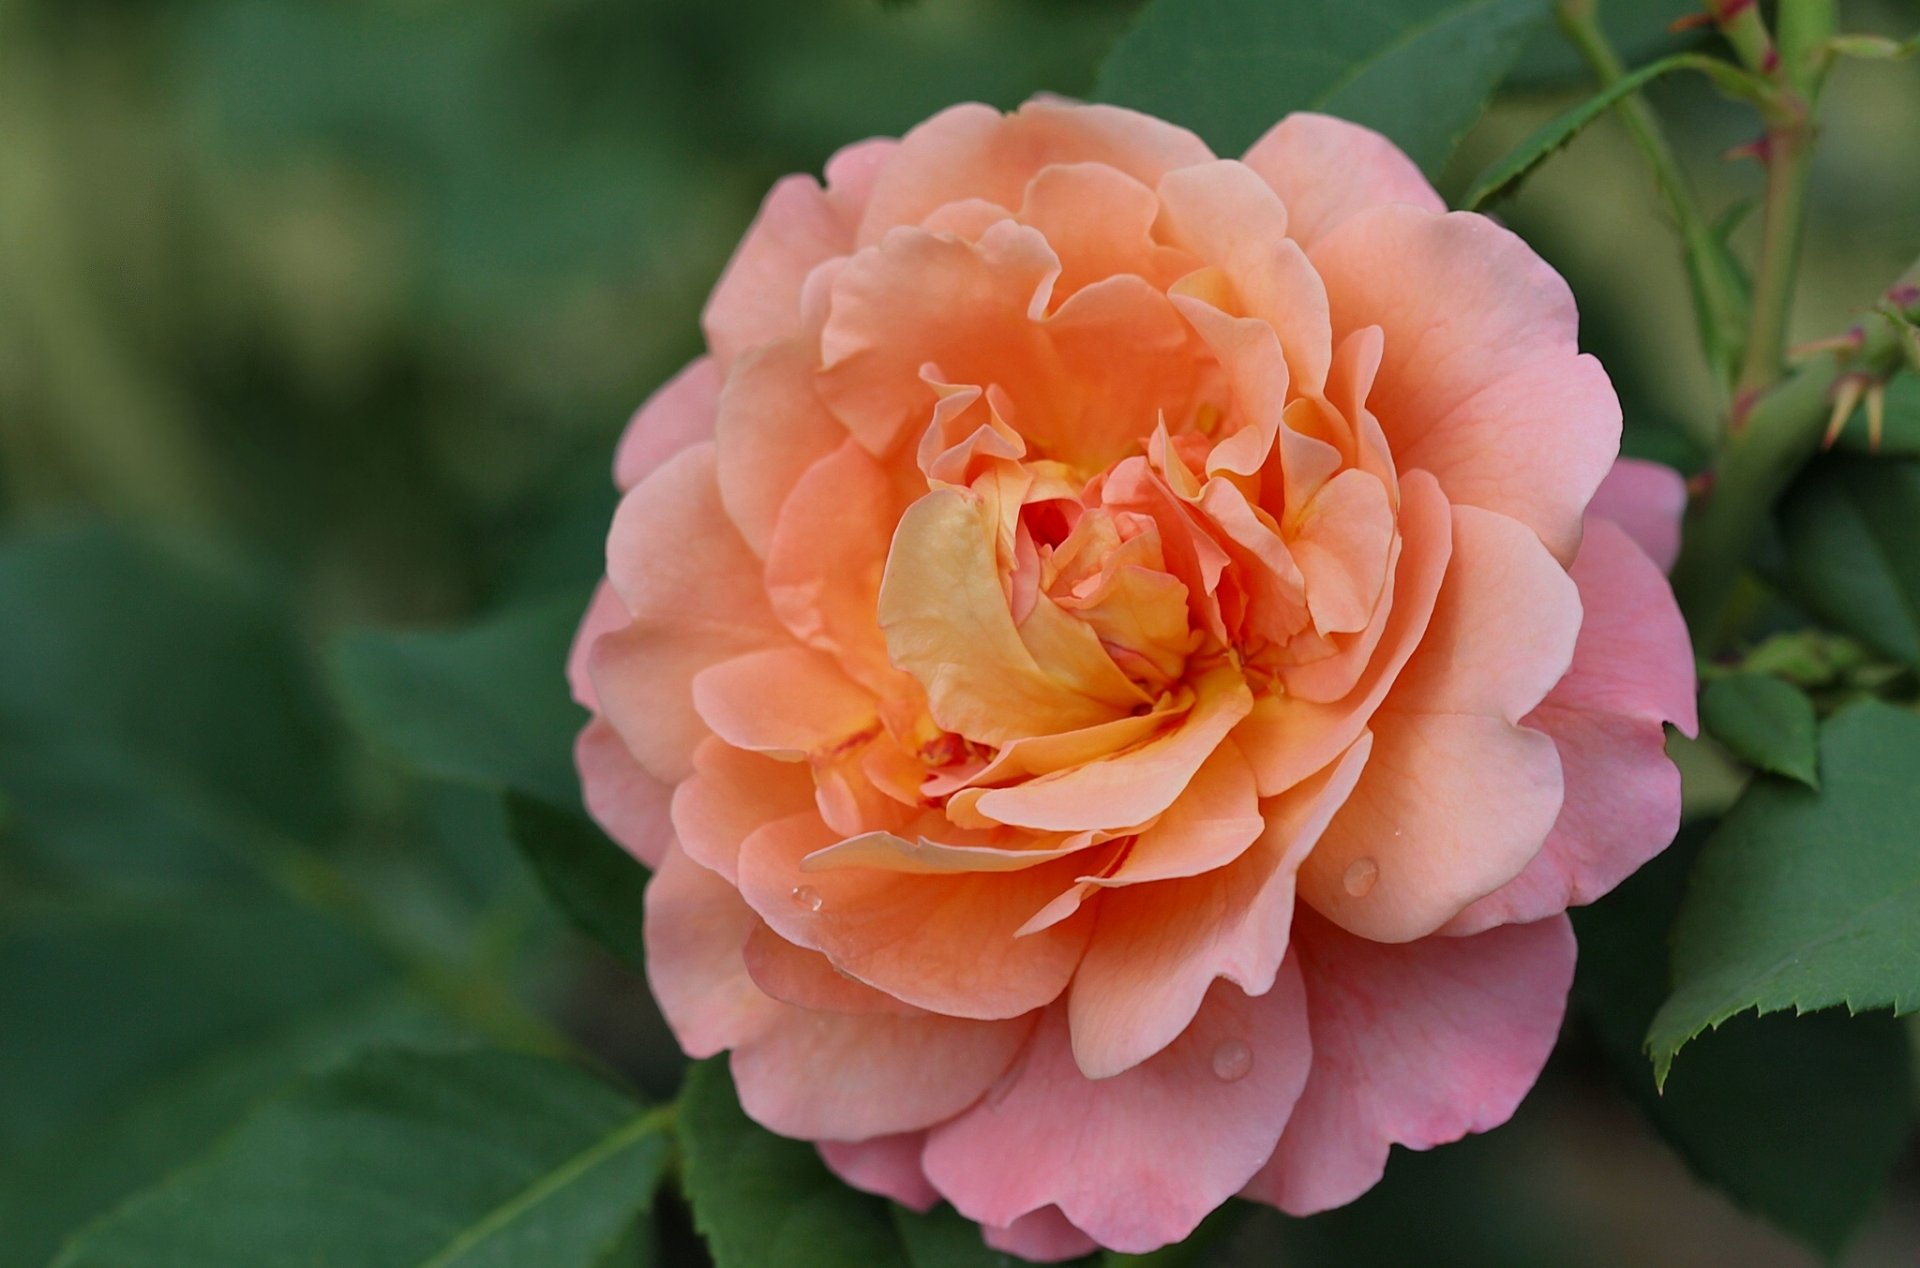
{"x": 1788, "y": 150}
{"x": 1717, "y": 297}
{"x": 1797, "y": 64}
{"x": 1775, "y": 439}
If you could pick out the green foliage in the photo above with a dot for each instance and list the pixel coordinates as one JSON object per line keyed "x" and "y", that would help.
{"x": 398, "y": 1160}
{"x": 157, "y": 715}
{"x": 1807, "y": 899}
{"x": 1847, "y": 526}
{"x": 1639, "y": 30}
{"x": 1766, "y": 722}
{"x": 1418, "y": 71}
{"x": 1554, "y": 135}
{"x": 1799, "y": 1119}
{"x": 175, "y": 939}
{"x": 596, "y": 883}
{"x": 135, "y": 1034}
{"x": 763, "y": 1201}
{"x": 486, "y": 703}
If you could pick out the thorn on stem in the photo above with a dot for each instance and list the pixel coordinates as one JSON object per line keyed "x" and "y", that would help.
{"x": 1846, "y": 344}
{"x": 1876, "y": 414}
{"x": 1760, "y": 148}
{"x": 1846, "y": 398}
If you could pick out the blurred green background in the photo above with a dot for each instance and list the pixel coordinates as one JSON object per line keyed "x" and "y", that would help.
{"x": 345, "y": 301}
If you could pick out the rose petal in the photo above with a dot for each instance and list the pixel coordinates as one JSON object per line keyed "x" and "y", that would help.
{"x": 1647, "y": 500}
{"x": 885, "y": 1165}
{"x": 679, "y": 414}
{"x": 829, "y": 1076}
{"x": 1157, "y": 950}
{"x": 771, "y": 427}
{"x": 1632, "y": 672}
{"x": 1044, "y": 1236}
{"x": 974, "y": 151}
{"x": 1457, "y": 797}
{"x": 941, "y": 942}
{"x": 798, "y": 226}
{"x": 1415, "y": 1044}
{"x": 694, "y": 591}
{"x": 1139, "y": 1159}
{"x": 1327, "y": 170}
{"x": 632, "y": 806}
{"x": 1481, "y": 379}
{"x": 1288, "y": 737}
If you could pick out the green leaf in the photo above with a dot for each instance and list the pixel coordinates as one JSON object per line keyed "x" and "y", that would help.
{"x": 1638, "y": 30}
{"x": 485, "y": 704}
{"x": 763, "y": 1201}
{"x": 1502, "y": 176}
{"x": 944, "y": 1238}
{"x": 599, "y": 886}
{"x": 1768, "y": 724}
{"x": 1807, "y": 899}
{"x": 1419, "y": 71}
{"x": 157, "y": 715}
{"x": 402, "y": 1159}
{"x": 209, "y": 1007}
{"x": 1848, "y": 528}
{"x": 1799, "y": 1119}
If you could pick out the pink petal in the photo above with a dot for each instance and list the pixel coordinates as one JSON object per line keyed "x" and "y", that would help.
{"x": 1136, "y": 1161}
{"x": 1647, "y": 499}
{"x": 729, "y": 795}
{"x": 631, "y": 805}
{"x": 787, "y": 702}
{"x": 679, "y": 414}
{"x": 694, "y": 591}
{"x": 771, "y": 427}
{"x": 971, "y": 308}
{"x": 605, "y": 613}
{"x": 1632, "y": 672}
{"x": 1457, "y": 797}
{"x": 1327, "y": 170}
{"x": 807, "y": 980}
{"x": 1044, "y": 1236}
{"x": 1099, "y": 221}
{"x": 975, "y": 152}
{"x": 828, "y": 1076}
{"x": 1481, "y": 380}
{"x": 825, "y": 558}
{"x": 1415, "y": 1044}
{"x": 1225, "y": 215}
{"x": 943, "y": 942}
{"x": 885, "y": 1165}
{"x": 1157, "y": 950}
{"x": 1288, "y": 737}
{"x": 695, "y": 926}
{"x": 1215, "y": 819}
{"x": 799, "y": 226}
{"x": 1127, "y": 788}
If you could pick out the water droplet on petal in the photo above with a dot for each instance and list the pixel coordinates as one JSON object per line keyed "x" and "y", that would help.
{"x": 808, "y": 897}
{"x": 1360, "y": 877}
{"x": 1231, "y": 1061}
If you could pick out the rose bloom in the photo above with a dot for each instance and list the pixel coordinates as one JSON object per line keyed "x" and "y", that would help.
{"x": 1120, "y": 660}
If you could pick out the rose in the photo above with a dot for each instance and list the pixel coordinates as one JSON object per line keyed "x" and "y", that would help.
{"x": 1120, "y": 665}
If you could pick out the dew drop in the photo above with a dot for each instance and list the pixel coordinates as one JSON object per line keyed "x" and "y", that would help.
{"x": 1360, "y": 877}
{"x": 808, "y": 897}
{"x": 1231, "y": 1061}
